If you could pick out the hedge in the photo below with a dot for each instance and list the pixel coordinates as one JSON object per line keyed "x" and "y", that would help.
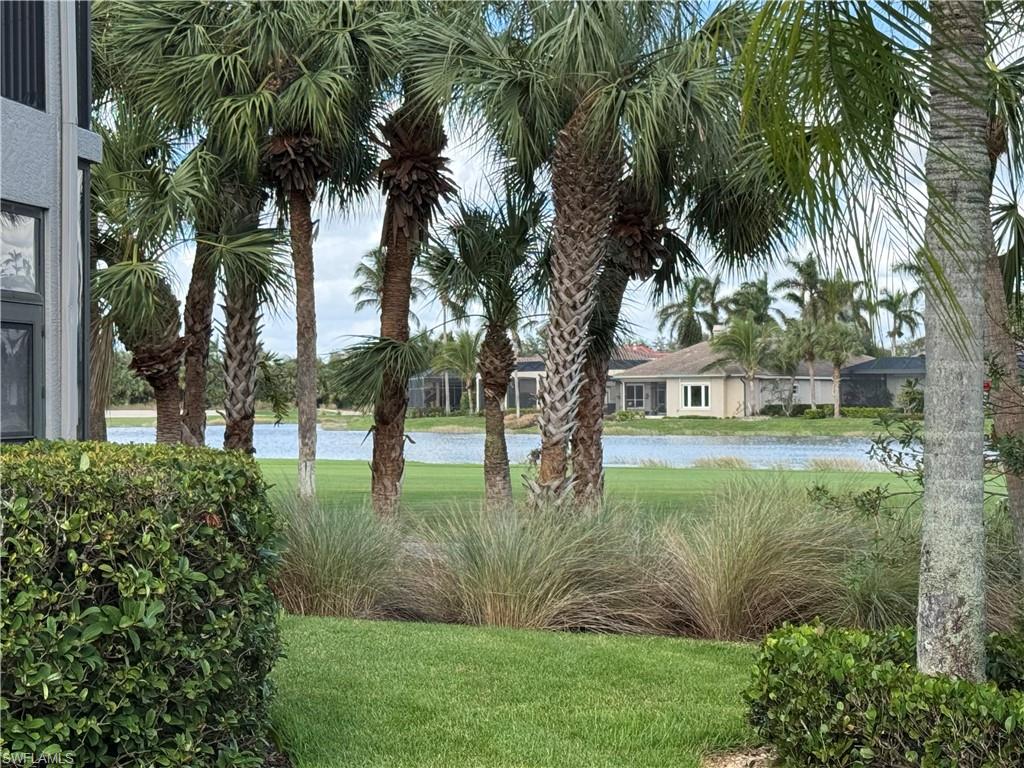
{"x": 841, "y": 698}
{"x": 138, "y": 627}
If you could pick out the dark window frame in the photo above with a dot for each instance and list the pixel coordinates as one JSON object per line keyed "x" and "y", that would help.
{"x": 83, "y": 57}
{"x": 24, "y": 308}
{"x": 24, "y": 60}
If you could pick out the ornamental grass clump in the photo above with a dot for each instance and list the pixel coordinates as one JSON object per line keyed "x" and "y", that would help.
{"x": 763, "y": 555}
{"x": 536, "y": 569}
{"x": 337, "y": 561}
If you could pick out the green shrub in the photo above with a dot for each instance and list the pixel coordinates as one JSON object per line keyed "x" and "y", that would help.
{"x": 777, "y": 409}
{"x": 138, "y": 627}
{"x": 841, "y": 698}
{"x": 864, "y": 412}
{"x": 816, "y": 413}
{"x": 627, "y": 415}
{"x": 337, "y": 561}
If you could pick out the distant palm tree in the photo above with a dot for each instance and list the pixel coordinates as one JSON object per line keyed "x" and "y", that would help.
{"x": 902, "y": 306}
{"x": 370, "y": 283}
{"x": 807, "y": 334}
{"x": 682, "y": 318}
{"x": 786, "y": 356}
{"x": 804, "y": 288}
{"x": 754, "y": 300}
{"x": 712, "y": 301}
{"x": 837, "y": 343}
{"x": 746, "y": 343}
{"x": 461, "y": 356}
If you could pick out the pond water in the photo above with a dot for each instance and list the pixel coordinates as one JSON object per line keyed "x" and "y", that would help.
{"x": 281, "y": 442}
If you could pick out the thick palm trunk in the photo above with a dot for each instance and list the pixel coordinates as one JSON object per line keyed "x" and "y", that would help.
{"x": 160, "y": 365}
{"x": 950, "y": 620}
{"x": 198, "y": 320}
{"x": 749, "y": 407}
{"x": 101, "y": 360}
{"x": 497, "y": 361}
{"x": 813, "y": 384}
{"x": 241, "y": 335}
{"x": 388, "y": 464}
{"x": 587, "y": 446}
{"x": 836, "y": 372}
{"x": 583, "y": 183}
{"x": 1006, "y": 396}
{"x": 305, "y": 340}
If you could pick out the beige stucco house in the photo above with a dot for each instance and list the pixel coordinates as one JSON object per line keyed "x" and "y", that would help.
{"x": 690, "y": 383}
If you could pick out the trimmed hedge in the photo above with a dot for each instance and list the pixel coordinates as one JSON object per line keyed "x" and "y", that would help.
{"x": 138, "y": 627}
{"x": 843, "y": 698}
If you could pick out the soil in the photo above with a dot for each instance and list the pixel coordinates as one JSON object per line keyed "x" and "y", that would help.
{"x": 750, "y": 758}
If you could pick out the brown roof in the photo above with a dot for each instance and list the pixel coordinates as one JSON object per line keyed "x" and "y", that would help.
{"x": 695, "y": 361}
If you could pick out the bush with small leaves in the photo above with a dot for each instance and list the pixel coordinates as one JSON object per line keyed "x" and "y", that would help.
{"x": 138, "y": 626}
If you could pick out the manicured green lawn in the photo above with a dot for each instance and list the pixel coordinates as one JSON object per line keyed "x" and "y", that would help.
{"x": 407, "y": 695}
{"x": 796, "y": 427}
{"x": 435, "y": 488}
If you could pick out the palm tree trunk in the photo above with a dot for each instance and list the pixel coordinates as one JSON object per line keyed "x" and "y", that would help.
{"x": 583, "y": 183}
{"x": 748, "y": 406}
{"x": 101, "y": 364}
{"x": 160, "y": 365}
{"x": 305, "y": 340}
{"x": 587, "y": 446}
{"x": 241, "y": 320}
{"x": 813, "y": 391}
{"x": 1006, "y": 396}
{"x": 198, "y": 328}
{"x": 497, "y": 361}
{"x": 388, "y": 464}
{"x": 950, "y": 619}
{"x": 836, "y": 413}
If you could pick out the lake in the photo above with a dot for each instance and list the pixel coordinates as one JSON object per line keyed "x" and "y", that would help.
{"x": 281, "y": 442}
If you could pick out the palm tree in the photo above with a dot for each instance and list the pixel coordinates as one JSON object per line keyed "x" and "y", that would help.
{"x": 786, "y": 357}
{"x": 370, "y": 284}
{"x": 283, "y": 90}
{"x": 713, "y": 303}
{"x": 487, "y": 255}
{"x": 748, "y": 344}
{"x": 807, "y": 335}
{"x": 754, "y": 300}
{"x": 573, "y": 87}
{"x": 682, "y": 318}
{"x": 839, "y": 342}
{"x": 902, "y": 307}
{"x": 461, "y": 355}
{"x": 804, "y": 288}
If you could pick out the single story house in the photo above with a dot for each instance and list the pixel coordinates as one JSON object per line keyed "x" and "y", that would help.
{"x": 876, "y": 382}
{"x": 690, "y": 383}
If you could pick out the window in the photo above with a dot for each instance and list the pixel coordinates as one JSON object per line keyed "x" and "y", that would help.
{"x": 635, "y": 396}
{"x": 696, "y": 396}
{"x": 83, "y": 61}
{"x": 21, "y": 322}
{"x": 24, "y": 63}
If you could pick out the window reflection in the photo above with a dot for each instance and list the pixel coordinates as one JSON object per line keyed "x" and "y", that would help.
{"x": 16, "y": 383}
{"x": 18, "y": 257}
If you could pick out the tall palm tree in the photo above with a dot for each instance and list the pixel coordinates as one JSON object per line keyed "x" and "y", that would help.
{"x": 682, "y": 318}
{"x": 807, "y": 335}
{"x": 573, "y": 87}
{"x": 713, "y": 302}
{"x": 839, "y": 342}
{"x": 787, "y": 356}
{"x": 370, "y": 284}
{"x": 804, "y": 288}
{"x": 754, "y": 300}
{"x": 748, "y": 344}
{"x": 487, "y": 255}
{"x": 461, "y": 355}
{"x": 902, "y": 308}
{"x": 282, "y": 90}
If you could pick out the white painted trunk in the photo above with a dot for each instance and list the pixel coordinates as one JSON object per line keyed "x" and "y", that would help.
{"x": 958, "y": 232}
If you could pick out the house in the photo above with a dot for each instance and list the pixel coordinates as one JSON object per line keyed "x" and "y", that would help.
{"x": 528, "y": 376}
{"x": 44, "y": 224}
{"x": 690, "y": 383}
{"x": 876, "y": 382}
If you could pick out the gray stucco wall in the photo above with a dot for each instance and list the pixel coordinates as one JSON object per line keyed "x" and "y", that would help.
{"x": 31, "y": 174}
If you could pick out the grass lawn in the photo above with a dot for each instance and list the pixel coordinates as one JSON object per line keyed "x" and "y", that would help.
{"x": 434, "y": 488}
{"x": 407, "y": 695}
{"x": 781, "y": 427}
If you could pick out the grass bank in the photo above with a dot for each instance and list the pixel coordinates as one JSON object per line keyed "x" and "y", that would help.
{"x": 406, "y": 695}
{"x": 430, "y": 489}
{"x": 768, "y": 427}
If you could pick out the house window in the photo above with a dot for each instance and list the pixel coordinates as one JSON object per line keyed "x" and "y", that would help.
{"x": 696, "y": 396}
{"x": 24, "y": 63}
{"x": 21, "y": 322}
{"x": 635, "y": 396}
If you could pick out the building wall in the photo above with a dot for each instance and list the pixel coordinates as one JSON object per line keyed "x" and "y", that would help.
{"x": 42, "y": 151}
